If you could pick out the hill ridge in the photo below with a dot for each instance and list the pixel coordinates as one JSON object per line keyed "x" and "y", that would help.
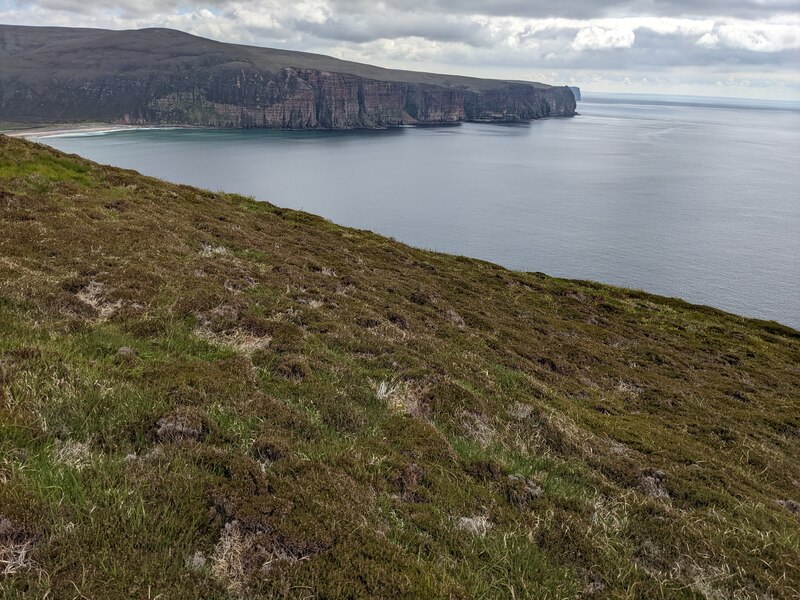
{"x": 164, "y": 76}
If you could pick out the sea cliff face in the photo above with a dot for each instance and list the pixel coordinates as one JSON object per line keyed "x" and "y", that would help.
{"x": 298, "y": 99}
{"x": 307, "y": 99}
{"x": 140, "y": 78}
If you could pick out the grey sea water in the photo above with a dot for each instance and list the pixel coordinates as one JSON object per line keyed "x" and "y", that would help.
{"x": 698, "y": 199}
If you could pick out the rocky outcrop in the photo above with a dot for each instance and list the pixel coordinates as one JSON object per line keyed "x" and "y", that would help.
{"x": 518, "y": 102}
{"x": 142, "y": 78}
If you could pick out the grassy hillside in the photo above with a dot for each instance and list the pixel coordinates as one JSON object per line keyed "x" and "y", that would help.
{"x": 204, "y": 396}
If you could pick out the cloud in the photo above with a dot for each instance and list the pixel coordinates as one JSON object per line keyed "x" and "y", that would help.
{"x": 578, "y": 9}
{"x": 596, "y": 37}
{"x": 756, "y": 37}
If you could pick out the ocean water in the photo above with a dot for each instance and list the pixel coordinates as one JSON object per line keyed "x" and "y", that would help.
{"x": 690, "y": 198}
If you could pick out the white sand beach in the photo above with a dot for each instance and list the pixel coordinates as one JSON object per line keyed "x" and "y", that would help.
{"x": 70, "y": 130}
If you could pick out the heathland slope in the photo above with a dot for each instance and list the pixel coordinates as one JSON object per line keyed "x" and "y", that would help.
{"x": 205, "y": 396}
{"x": 162, "y": 76}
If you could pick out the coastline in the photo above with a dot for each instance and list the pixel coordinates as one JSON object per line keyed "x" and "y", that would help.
{"x": 48, "y": 131}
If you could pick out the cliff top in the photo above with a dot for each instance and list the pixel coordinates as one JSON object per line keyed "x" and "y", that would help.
{"x": 72, "y": 51}
{"x": 205, "y": 396}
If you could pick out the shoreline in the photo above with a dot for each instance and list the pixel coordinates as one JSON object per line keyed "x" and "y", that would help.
{"x": 67, "y": 130}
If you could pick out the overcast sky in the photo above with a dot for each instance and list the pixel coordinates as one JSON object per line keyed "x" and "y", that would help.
{"x": 747, "y": 48}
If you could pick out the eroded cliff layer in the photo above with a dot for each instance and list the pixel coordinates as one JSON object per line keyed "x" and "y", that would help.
{"x": 161, "y": 77}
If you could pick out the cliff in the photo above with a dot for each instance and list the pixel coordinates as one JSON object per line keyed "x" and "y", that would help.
{"x": 205, "y": 396}
{"x": 163, "y": 77}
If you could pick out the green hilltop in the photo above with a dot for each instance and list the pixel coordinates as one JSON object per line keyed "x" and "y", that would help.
{"x": 205, "y": 396}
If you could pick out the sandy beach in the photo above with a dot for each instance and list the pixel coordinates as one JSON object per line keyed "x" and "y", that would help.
{"x": 67, "y": 129}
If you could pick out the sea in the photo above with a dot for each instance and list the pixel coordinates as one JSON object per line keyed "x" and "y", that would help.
{"x": 696, "y": 198}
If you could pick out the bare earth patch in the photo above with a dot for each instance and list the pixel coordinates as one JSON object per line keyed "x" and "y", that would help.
{"x": 241, "y": 555}
{"x": 183, "y": 424}
{"x": 94, "y": 295}
{"x": 652, "y": 483}
{"x": 478, "y": 526}
{"x": 197, "y": 561}
{"x": 16, "y": 546}
{"x": 237, "y": 340}
{"x": 209, "y": 251}
{"x": 479, "y": 428}
{"x": 790, "y": 505}
{"x": 75, "y": 455}
{"x": 227, "y": 562}
{"x": 404, "y": 397}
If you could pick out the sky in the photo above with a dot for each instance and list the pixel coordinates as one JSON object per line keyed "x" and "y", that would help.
{"x": 745, "y": 48}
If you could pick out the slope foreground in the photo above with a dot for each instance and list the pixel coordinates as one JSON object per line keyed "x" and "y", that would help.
{"x": 167, "y": 77}
{"x": 204, "y": 396}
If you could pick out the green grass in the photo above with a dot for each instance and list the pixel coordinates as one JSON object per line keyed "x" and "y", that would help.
{"x": 315, "y": 411}
{"x": 51, "y": 168}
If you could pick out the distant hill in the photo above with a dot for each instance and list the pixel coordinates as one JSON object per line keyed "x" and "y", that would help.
{"x": 205, "y": 396}
{"x": 162, "y": 76}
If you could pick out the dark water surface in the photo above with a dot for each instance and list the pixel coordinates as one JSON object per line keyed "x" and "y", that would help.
{"x": 700, "y": 202}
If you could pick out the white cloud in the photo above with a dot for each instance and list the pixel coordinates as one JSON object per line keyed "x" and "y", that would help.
{"x": 753, "y": 36}
{"x": 709, "y": 40}
{"x": 596, "y": 37}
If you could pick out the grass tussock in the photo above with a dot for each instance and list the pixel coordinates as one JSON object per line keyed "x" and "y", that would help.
{"x": 203, "y": 396}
